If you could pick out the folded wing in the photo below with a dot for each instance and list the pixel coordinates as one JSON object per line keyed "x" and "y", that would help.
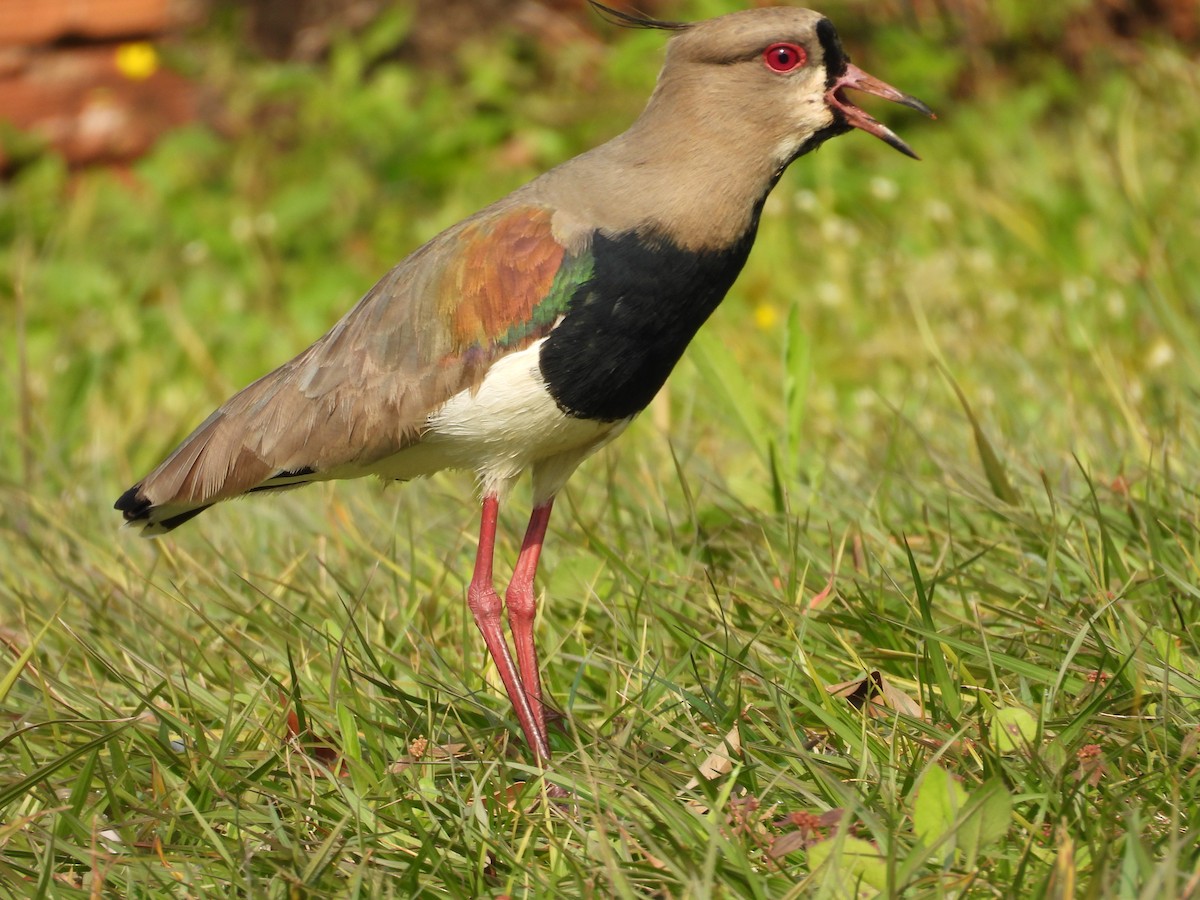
{"x": 429, "y": 329}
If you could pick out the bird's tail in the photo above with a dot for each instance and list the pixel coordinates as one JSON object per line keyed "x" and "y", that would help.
{"x": 249, "y": 445}
{"x": 139, "y": 509}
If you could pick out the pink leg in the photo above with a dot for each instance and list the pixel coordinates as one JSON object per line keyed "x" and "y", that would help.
{"x": 486, "y": 607}
{"x": 522, "y": 607}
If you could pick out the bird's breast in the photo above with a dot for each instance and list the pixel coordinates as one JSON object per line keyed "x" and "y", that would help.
{"x": 627, "y": 325}
{"x": 508, "y": 424}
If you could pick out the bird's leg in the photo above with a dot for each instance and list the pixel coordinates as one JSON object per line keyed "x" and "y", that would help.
{"x": 522, "y": 607}
{"x": 487, "y": 607}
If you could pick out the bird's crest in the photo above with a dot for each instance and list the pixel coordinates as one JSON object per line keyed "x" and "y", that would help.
{"x": 635, "y": 19}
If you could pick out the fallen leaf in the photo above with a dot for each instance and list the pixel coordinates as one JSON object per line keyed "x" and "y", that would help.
{"x": 822, "y": 595}
{"x": 635, "y": 846}
{"x": 879, "y": 695}
{"x": 788, "y": 843}
{"x": 420, "y": 753}
{"x": 807, "y": 827}
{"x": 719, "y": 762}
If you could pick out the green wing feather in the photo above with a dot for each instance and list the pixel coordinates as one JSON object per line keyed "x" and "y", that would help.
{"x": 572, "y": 272}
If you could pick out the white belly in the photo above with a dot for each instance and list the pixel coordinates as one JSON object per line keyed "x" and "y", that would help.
{"x": 510, "y": 424}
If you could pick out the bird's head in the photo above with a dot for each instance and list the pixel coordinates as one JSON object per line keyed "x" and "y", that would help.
{"x": 780, "y": 71}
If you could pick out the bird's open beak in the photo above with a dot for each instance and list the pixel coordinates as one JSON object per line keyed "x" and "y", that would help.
{"x": 856, "y": 78}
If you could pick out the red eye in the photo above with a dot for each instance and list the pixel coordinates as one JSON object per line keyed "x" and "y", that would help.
{"x": 784, "y": 57}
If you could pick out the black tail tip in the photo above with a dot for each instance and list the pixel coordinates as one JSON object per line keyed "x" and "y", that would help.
{"x": 133, "y": 504}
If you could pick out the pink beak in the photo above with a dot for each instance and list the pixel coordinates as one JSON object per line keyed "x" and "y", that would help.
{"x": 856, "y": 78}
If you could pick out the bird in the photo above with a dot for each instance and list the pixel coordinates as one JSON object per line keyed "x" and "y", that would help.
{"x": 529, "y": 335}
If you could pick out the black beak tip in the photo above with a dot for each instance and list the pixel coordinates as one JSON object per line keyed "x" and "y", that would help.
{"x": 897, "y": 144}
{"x": 913, "y": 103}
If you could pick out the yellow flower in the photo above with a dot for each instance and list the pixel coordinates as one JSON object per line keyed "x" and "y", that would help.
{"x": 137, "y": 61}
{"x": 765, "y": 316}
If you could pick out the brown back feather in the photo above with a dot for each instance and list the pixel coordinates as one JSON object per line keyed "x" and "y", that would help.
{"x": 428, "y": 330}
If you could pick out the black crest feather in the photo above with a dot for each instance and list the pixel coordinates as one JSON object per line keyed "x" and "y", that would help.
{"x": 635, "y": 19}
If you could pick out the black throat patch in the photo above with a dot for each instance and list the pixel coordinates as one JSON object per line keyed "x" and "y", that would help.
{"x": 626, "y": 326}
{"x": 836, "y": 59}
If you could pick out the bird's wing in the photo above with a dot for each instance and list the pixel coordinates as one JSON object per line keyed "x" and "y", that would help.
{"x": 429, "y": 329}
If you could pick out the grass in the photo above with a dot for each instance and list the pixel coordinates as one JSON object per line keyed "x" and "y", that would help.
{"x": 944, "y": 430}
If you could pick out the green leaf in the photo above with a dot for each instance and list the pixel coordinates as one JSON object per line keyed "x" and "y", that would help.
{"x": 724, "y": 377}
{"x": 1112, "y": 565}
{"x": 993, "y": 468}
{"x": 940, "y": 799}
{"x": 936, "y": 651}
{"x": 1013, "y": 730}
{"x": 847, "y": 867}
{"x": 950, "y": 821}
{"x": 797, "y": 375}
{"x": 351, "y": 746}
{"x": 989, "y": 814}
{"x": 10, "y": 677}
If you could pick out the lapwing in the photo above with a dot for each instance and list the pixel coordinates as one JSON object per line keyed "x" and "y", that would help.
{"x": 529, "y": 335}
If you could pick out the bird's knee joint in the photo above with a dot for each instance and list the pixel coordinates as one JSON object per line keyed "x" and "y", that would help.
{"x": 484, "y": 602}
{"x": 521, "y": 603}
